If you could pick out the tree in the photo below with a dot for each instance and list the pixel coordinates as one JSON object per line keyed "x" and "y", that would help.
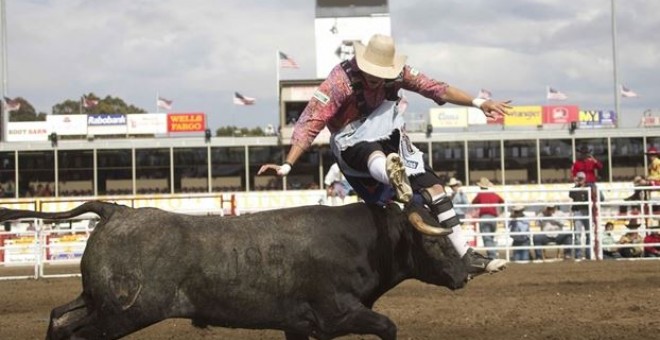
{"x": 26, "y": 113}
{"x": 229, "y": 131}
{"x": 108, "y": 104}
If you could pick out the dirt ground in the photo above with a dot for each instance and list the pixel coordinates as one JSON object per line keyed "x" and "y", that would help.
{"x": 562, "y": 300}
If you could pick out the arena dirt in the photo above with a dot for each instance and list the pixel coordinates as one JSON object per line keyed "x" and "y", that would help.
{"x": 563, "y": 300}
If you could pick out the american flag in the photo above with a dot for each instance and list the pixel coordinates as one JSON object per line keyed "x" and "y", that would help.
{"x": 240, "y": 99}
{"x": 286, "y": 61}
{"x": 12, "y": 104}
{"x": 164, "y": 103}
{"x": 627, "y": 93}
{"x": 89, "y": 103}
{"x": 554, "y": 94}
{"x": 484, "y": 94}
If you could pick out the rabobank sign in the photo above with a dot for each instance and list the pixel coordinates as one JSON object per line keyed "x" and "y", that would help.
{"x": 106, "y": 124}
{"x": 114, "y": 119}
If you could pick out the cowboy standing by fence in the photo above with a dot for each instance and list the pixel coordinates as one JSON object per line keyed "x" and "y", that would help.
{"x": 359, "y": 103}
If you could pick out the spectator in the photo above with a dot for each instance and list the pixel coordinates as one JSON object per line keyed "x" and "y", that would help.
{"x": 580, "y": 210}
{"x": 336, "y": 185}
{"x": 587, "y": 164}
{"x": 652, "y": 237}
{"x": 518, "y": 224}
{"x": 634, "y": 240}
{"x": 458, "y": 197}
{"x": 654, "y": 166}
{"x": 550, "y": 223}
{"x": 608, "y": 240}
{"x": 487, "y": 212}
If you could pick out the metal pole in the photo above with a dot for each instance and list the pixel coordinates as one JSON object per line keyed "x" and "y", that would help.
{"x": 614, "y": 62}
{"x": 3, "y": 46}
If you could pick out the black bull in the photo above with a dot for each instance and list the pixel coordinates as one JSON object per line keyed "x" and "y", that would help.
{"x": 308, "y": 271}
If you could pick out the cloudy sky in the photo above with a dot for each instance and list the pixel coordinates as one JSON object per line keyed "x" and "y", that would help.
{"x": 198, "y": 52}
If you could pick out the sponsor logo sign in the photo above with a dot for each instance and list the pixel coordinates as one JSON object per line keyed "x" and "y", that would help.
{"x": 560, "y": 114}
{"x": 106, "y": 124}
{"x": 186, "y": 122}
{"x": 524, "y": 116}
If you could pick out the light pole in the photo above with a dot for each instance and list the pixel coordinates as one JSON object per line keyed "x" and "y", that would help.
{"x": 3, "y": 46}
{"x": 614, "y": 62}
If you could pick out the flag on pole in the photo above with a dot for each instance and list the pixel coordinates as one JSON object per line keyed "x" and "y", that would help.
{"x": 554, "y": 94}
{"x": 240, "y": 99}
{"x": 164, "y": 103}
{"x": 89, "y": 103}
{"x": 286, "y": 61}
{"x": 628, "y": 93}
{"x": 12, "y": 104}
{"x": 484, "y": 94}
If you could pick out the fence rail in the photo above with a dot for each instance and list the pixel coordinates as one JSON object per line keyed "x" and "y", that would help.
{"x": 38, "y": 250}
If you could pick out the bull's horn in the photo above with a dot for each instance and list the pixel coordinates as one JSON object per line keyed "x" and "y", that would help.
{"x": 418, "y": 222}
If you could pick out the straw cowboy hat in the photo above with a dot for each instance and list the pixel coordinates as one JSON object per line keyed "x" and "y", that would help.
{"x": 652, "y": 151}
{"x": 379, "y": 57}
{"x": 484, "y": 183}
{"x": 518, "y": 208}
{"x": 453, "y": 181}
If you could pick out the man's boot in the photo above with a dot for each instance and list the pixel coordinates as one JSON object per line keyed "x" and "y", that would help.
{"x": 396, "y": 172}
{"x": 478, "y": 264}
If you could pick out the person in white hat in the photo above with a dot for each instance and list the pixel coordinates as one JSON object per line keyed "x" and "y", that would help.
{"x": 458, "y": 197}
{"x": 360, "y": 103}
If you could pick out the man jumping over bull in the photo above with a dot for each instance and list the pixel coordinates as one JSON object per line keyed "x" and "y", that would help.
{"x": 359, "y": 102}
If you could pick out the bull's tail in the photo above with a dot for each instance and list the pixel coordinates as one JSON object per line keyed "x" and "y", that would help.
{"x": 103, "y": 209}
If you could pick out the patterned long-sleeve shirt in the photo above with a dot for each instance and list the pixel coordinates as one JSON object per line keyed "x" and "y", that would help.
{"x": 334, "y": 104}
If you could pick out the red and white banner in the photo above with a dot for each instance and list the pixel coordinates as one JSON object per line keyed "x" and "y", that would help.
{"x": 560, "y": 114}
{"x": 186, "y": 122}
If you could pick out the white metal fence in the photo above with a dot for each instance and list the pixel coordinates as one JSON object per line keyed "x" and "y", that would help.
{"x": 33, "y": 249}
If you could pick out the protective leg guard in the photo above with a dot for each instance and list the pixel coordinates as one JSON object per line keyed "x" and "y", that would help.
{"x": 442, "y": 207}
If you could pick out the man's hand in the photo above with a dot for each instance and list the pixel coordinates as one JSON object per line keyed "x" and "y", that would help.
{"x": 495, "y": 109}
{"x": 281, "y": 170}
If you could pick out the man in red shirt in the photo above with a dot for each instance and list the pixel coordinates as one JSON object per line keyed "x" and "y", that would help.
{"x": 588, "y": 164}
{"x": 652, "y": 237}
{"x": 488, "y": 210}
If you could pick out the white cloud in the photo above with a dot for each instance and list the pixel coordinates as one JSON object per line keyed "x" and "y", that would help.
{"x": 199, "y": 52}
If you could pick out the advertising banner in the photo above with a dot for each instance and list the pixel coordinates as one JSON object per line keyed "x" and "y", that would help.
{"x": 448, "y": 117}
{"x": 186, "y": 122}
{"x": 20, "y": 250}
{"x": 67, "y": 125}
{"x": 106, "y": 124}
{"x": 560, "y": 114}
{"x": 597, "y": 118}
{"x": 146, "y": 123}
{"x": 66, "y": 247}
{"x": 524, "y": 116}
{"x": 27, "y": 132}
{"x": 650, "y": 121}
{"x": 477, "y": 117}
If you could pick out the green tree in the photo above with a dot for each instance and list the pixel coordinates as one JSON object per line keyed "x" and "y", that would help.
{"x": 229, "y": 131}
{"x": 26, "y": 113}
{"x": 108, "y": 104}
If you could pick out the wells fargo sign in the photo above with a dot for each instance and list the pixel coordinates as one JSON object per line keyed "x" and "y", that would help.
{"x": 186, "y": 122}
